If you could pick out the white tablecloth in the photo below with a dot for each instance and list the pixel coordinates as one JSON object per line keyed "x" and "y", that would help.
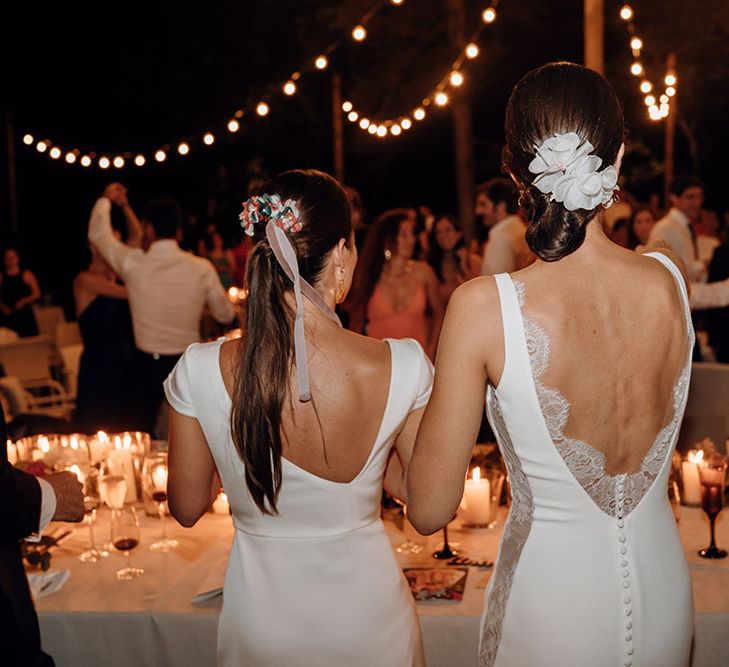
{"x": 150, "y": 621}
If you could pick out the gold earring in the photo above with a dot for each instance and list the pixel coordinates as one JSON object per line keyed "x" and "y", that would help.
{"x": 339, "y": 296}
{"x": 388, "y": 254}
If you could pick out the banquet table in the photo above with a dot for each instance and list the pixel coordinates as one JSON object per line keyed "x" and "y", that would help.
{"x": 151, "y": 621}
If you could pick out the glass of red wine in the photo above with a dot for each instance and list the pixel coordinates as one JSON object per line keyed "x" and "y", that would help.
{"x": 125, "y": 537}
{"x": 712, "y": 474}
{"x": 155, "y": 471}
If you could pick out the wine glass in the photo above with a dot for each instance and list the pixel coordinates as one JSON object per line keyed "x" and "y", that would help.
{"x": 674, "y": 497}
{"x": 408, "y": 546}
{"x": 125, "y": 536}
{"x": 92, "y": 501}
{"x": 447, "y": 551}
{"x": 156, "y": 474}
{"x": 712, "y": 474}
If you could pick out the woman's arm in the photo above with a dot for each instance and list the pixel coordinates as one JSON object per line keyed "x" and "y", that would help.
{"x": 99, "y": 285}
{"x": 447, "y": 434}
{"x": 402, "y": 452}
{"x": 193, "y": 481}
{"x": 31, "y": 281}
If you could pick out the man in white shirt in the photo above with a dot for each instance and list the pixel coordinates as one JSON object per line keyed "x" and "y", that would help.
{"x": 168, "y": 290}
{"x": 674, "y": 229}
{"x": 497, "y": 202}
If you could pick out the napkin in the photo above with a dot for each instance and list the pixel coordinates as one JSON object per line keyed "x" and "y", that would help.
{"x": 46, "y": 583}
{"x": 212, "y": 585}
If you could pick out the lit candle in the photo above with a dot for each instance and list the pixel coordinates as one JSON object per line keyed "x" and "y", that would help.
{"x": 12, "y": 452}
{"x": 98, "y": 447}
{"x": 77, "y": 471}
{"x": 476, "y": 502}
{"x": 159, "y": 478}
{"x": 690, "y": 476}
{"x": 221, "y": 504}
{"x": 121, "y": 463}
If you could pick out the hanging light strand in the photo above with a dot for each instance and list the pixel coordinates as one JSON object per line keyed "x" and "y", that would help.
{"x": 658, "y": 106}
{"x": 183, "y": 147}
{"x": 440, "y": 96}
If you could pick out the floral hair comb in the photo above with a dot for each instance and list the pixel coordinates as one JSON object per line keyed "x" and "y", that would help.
{"x": 264, "y": 208}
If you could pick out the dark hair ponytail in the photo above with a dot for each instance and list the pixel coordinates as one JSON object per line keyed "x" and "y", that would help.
{"x": 262, "y": 377}
{"x": 558, "y": 98}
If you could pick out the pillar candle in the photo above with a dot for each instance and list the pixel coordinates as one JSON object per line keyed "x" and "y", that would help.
{"x": 121, "y": 463}
{"x": 476, "y": 500}
{"x": 690, "y": 477}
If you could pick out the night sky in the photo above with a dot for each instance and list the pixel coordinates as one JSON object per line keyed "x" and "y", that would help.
{"x": 136, "y": 76}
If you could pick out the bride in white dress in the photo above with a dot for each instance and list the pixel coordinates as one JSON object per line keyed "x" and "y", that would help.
{"x": 302, "y": 420}
{"x": 585, "y": 359}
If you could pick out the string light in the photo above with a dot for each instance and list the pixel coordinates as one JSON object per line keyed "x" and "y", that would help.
{"x": 289, "y": 88}
{"x": 441, "y": 99}
{"x": 636, "y": 69}
{"x": 364, "y": 123}
{"x": 489, "y": 15}
{"x": 626, "y": 12}
{"x": 636, "y": 43}
{"x": 233, "y": 125}
{"x": 183, "y": 148}
{"x": 646, "y": 87}
{"x": 381, "y": 131}
{"x": 118, "y": 161}
{"x": 85, "y": 161}
{"x": 372, "y": 129}
{"x": 419, "y": 113}
{"x": 28, "y": 139}
{"x": 41, "y": 146}
{"x": 346, "y": 107}
{"x": 396, "y": 130}
{"x": 160, "y": 156}
{"x": 321, "y": 62}
{"x": 55, "y": 152}
{"x": 397, "y": 3}
{"x": 262, "y": 109}
{"x": 456, "y": 79}
{"x": 104, "y": 162}
{"x": 650, "y": 100}
{"x": 140, "y": 160}
{"x": 670, "y": 80}
{"x": 352, "y": 116}
{"x": 406, "y": 123}
{"x": 472, "y": 51}
{"x": 209, "y": 139}
{"x": 670, "y": 91}
{"x": 359, "y": 34}
{"x": 70, "y": 158}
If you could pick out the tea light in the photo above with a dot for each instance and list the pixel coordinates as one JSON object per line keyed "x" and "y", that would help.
{"x": 476, "y": 502}
{"x": 121, "y": 463}
{"x": 221, "y": 504}
{"x": 159, "y": 478}
{"x": 690, "y": 477}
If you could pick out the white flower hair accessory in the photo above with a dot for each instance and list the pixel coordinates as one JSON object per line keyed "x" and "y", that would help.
{"x": 570, "y": 175}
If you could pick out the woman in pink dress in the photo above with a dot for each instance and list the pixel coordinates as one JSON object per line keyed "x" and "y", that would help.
{"x": 395, "y": 295}
{"x": 450, "y": 258}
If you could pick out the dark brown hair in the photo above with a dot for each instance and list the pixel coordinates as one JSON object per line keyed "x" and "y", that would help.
{"x": 381, "y": 236}
{"x": 262, "y": 376}
{"x": 558, "y": 97}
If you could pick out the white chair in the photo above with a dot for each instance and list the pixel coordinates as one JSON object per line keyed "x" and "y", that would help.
{"x": 48, "y": 318}
{"x": 67, "y": 333}
{"x": 707, "y": 410}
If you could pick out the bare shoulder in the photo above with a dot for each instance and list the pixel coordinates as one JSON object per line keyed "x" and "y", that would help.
{"x": 673, "y": 257}
{"x": 476, "y": 296}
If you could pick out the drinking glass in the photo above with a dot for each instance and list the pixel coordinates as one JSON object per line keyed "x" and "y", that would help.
{"x": 674, "y": 497}
{"x": 408, "y": 546}
{"x": 712, "y": 474}
{"x": 92, "y": 500}
{"x": 155, "y": 474}
{"x": 125, "y": 536}
{"x": 112, "y": 487}
{"x": 447, "y": 551}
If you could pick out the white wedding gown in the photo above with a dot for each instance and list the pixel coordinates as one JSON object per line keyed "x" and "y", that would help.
{"x": 590, "y": 571}
{"x": 317, "y": 585}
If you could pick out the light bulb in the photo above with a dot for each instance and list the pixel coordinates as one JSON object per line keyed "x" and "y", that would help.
{"x": 321, "y": 62}
{"x": 646, "y": 87}
{"x": 670, "y": 91}
{"x": 118, "y": 161}
{"x": 104, "y": 162}
{"x": 55, "y": 152}
{"x": 636, "y": 43}
{"x": 397, "y": 2}
{"x": 636, "y": 69}
{"x": 41, "y": 146}
{"x": 352, "y": 116}
{"x": 140, "y": 160}
{"x": 670, "y": 80}
{"x": 456, "y": 78}
{"x": 650, "y": 100}
{"x": 289, "y": 88}
{"x": 664, "y": 99}
{"x": 238, "y": 114}
{"x": 208, "y": 139}
{"x": 364, "y": 123}
{"x": 28, "y": 139}
{"x": 359, "y": 34}
{"x": 489, "y": 15}
{"x": 472, "y": 51}
{"x": 396, "y": 129}
{"x": 419, "y": 113}
{"x": 441, "y": 99}
{"x": 233, "y": 125}
{"x": 346, "y": 107}
{"x": 160, "y": 156}
{"x": 183, "y": 148}
{"x": 70, "y": 158}
{"x": 85, "y": 161}
{"x": 381, "y": 131}
{"x": 372, "y": 129}
{"x": 406, "y": 123}
{"x": 262, "y": 109}
{"x": 626, "y": 12}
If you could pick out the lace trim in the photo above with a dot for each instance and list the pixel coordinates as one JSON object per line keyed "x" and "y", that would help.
{"x": 516, "y": 532}
{"x": 586, "y": 463}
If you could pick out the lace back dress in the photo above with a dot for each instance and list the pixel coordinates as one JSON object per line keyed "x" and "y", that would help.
{"x": 591, "y": 570}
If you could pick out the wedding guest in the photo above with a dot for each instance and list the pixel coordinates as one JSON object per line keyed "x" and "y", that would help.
{"x": 497, "y": 203}
{"x": 18, "y": 291}
{"x": 27, "y": 504}
{"x": 103, "y": 316}
{"x": 619, "y": 233}
{"x": 222, "y": 258}
{"x": 706, "y": 232}
{"x": 717, "y": 321}
{"x": 449, "y": 257}
{"x": 168, "y": 290}
{"x": 241, "y": 250}
{"x": 674, "y": 229}
{"x": 640, "y": 226}
{"x": 394, "y": 295}
{"x": 305, "y": 421}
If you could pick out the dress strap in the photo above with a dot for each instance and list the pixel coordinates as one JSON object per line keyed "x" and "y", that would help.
{"x": 516, "y": 358}
{"x": 677, "y": 275}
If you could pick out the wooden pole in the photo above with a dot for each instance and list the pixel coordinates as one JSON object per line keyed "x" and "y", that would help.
{"x": 594, "y": 35}
{"x": 12, "y": 181}
{"x": 670, "y": 137}
{"x": 337, "y": 127}
{"x": 462, "y": 125}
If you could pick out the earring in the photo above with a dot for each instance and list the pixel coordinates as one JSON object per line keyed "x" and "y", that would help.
{"x": 339, "y": 296}
{"x": 388, "y": 254}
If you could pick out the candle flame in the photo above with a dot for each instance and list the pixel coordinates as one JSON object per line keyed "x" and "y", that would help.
{"x": 102, "y": 436}
{"x": 117, "y": 442}
{"x": 44, "y": 444}
{"x": 696, "y": 456}
{"x": 127, "y": 440}
{"x": 74, "y": 442}
{"x": 76, "y": 471}
{"x": 476, "y": 474}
